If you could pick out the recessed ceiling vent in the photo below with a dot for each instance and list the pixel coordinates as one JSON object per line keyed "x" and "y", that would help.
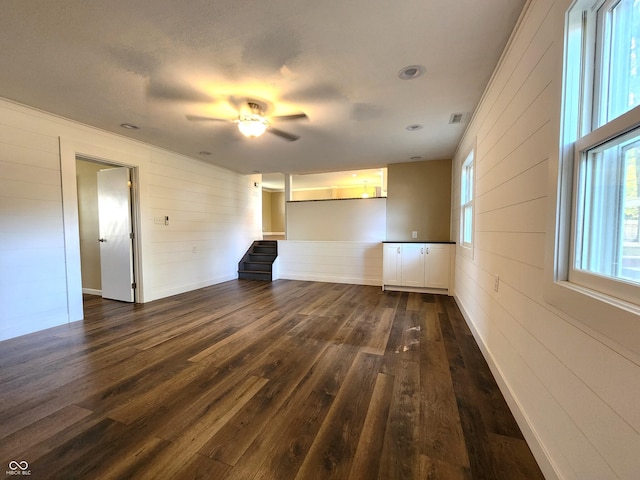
{"x": 458, "y": 118}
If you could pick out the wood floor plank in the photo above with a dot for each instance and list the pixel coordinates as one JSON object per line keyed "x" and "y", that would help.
{"x": 441, "y": 437}
{"x": 366, "y": 459}
{"x": 251, "y": 380}
{"x": 185, "y": 444}
{"x": 127, "y": 410}
{"x": 432, "y": 469}
{"x": 230, "y": 443}
{"x": 278, "y": 452}
{"x": 381, "y": 322}
{"x": 400, "y": 455}
{"x": 15, "y": 445}
{"x": 332, "y": 452}
{"x": 238, "y": 339}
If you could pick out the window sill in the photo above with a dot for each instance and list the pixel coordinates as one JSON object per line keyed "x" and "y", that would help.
{"x": 612, "y": 321}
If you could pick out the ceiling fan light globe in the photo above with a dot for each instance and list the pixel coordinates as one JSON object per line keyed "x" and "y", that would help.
{"x": 252, "y": 127}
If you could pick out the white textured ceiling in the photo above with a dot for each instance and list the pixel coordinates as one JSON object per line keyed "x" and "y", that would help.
{"x": 152, "y": 62}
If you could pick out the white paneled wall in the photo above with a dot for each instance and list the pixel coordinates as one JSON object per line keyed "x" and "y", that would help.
{"x": 32, "y": 267}
{"x": 574, "y": 394}
{"x": 357, "y": 263}
{"x": 214, "y": 216}
{"x": 212, "y": 221}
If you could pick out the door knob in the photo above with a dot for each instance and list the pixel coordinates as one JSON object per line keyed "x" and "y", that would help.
{"x": 102, "y": 240}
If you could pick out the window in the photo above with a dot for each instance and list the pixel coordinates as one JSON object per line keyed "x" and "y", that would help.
{"x": 602, "y": 121}
{"x": 466, "y": 202}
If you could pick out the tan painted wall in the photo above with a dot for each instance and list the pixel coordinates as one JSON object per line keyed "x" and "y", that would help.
{"x": 266, "y": 211}
{"x": 277, "y": 212}
{"x": 272, "y": 211}
{"x": 318, "y": 194}
{"x": 419, "y": 199}
{"x": 86, "y": 175}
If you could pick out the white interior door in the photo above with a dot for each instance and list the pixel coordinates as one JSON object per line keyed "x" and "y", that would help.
{"x": 116, "y": 244}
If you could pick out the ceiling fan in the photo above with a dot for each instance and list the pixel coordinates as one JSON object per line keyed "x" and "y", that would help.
{"x": 252, "y": 122}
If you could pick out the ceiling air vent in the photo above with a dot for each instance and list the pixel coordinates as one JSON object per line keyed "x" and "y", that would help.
{"x": 458, "y": 118}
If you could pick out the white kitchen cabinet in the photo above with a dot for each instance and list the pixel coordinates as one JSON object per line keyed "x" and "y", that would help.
{"x": 412, "y": 264}
{"x": 437, "y": 260}
{"x": 391, "y": 263}
{"x": 422, "y": 267}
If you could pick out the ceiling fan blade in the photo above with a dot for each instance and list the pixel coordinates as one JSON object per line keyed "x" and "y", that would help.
{"x": 287, "y": 136}
{"x": 209, "y": 119}
{"x": 296, "y": 116}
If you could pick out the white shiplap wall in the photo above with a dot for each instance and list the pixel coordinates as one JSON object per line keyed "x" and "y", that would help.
{"x": 358, "y": 263}
{"x": 212, "y": 221}
{"x": 32, "y": 267}
{"x": 573, "y": 390}
{"x": 214, "y": 216}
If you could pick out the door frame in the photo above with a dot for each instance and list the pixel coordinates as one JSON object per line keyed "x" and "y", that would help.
{"x": 70, "y": 150}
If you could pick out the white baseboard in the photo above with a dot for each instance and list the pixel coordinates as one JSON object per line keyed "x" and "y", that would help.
{"x": 331, "y": 279}
{"x": 92, "y": 291}
{"x": 400, "y": 288}
{"x": 168, "y": 292}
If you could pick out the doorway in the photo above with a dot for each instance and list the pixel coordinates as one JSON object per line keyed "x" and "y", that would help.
{"x": 106, "y": 229}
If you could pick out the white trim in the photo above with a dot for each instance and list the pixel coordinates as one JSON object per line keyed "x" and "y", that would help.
{"x": 168, "y": 292}
{"x": 617, "y": 127}
{"x": 92, "y": 291}
{"x": 332, "y": 279}
{"x": 400, "y": 288}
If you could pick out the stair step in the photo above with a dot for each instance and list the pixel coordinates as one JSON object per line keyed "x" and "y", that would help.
{"x": 254, "y": 275}
{"x": 261, "y": 257}
{"x": 257, "y": 266}
{"x": 264, "y": 249}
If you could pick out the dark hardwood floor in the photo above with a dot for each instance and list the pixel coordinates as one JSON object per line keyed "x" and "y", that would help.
{"x": 256, "y": 380}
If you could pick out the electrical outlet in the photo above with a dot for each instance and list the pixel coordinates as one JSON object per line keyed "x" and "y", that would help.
{"x": 414, "y": 234}
{"x": 496, "y": 283}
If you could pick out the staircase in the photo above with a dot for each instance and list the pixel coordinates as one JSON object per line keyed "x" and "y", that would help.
{"x": 257, "y": 263}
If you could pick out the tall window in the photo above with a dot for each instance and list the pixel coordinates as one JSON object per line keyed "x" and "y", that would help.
{"x": 466, "y": 202}
{"x": 602, "y": 117}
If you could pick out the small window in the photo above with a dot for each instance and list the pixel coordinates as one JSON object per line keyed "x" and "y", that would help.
{"x": 602, "y": 120}
{"x": 466, "y": 202}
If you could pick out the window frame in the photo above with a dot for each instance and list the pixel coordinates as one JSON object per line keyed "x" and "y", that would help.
{"x": 583, "y": 129}
{"x": 467, "y": 197}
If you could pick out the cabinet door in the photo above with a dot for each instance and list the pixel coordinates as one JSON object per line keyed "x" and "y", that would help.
{"x": 436, "y": 270}
{"x": 391, "y": 264}
{"x": 413, "y": 264}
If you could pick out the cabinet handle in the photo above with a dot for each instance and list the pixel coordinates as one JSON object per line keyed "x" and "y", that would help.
{"x": 427, "y": 250}
{"x": 422, "y": 251}
{"x": 398, "y": 250}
